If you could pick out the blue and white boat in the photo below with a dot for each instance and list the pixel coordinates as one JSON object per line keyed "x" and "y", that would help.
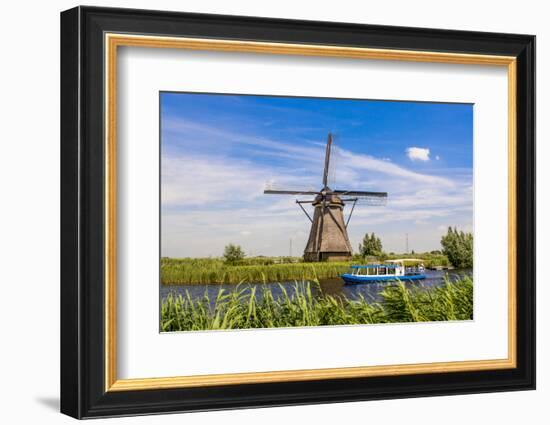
{"x": 402, "y": 269}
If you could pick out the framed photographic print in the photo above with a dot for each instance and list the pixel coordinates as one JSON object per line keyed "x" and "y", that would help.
{"x": 261, "y": 212}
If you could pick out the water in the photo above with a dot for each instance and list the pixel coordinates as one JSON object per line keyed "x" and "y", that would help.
{"x": 334, "y": 287}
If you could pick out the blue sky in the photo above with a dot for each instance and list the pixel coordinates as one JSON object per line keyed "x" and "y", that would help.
{"x": 218, "y": 152}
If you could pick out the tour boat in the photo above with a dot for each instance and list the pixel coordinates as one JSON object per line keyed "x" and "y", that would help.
{"x": 390, "y": 270}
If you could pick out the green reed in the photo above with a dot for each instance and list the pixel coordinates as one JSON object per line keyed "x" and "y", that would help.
{"x": 242, "y": 308}
{"x": 261, "y": 269}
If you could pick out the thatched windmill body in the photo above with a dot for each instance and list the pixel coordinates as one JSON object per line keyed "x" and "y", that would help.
{"x": 328, "y": 238}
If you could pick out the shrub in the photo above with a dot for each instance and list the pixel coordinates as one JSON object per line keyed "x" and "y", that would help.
{"x": 233, "y": 253}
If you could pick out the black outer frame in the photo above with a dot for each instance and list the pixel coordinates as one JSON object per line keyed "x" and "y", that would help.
{"x": 82, "y": 212}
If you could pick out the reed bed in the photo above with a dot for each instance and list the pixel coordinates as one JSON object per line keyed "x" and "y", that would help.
{"x": 175, "y": 271}
{"x": 207, "y": 271}
{"x": 245, "y": 307}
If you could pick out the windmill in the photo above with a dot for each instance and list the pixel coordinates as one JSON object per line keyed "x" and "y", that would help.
{"x": 328, "y": 237}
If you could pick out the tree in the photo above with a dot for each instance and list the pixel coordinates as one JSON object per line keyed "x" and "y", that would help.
{"x": 371, "y": 245}
{"x": 233, "y": 253}
{"x": 459, "y": 248}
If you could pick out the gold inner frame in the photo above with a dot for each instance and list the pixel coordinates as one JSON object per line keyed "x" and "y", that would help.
{"x": 113, "y": 41}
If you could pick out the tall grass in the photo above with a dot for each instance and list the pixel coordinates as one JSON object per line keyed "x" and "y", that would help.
{"x": 260, "y": 269}
{"x": 178, "y": 271}
{"x": 243, "y": 308}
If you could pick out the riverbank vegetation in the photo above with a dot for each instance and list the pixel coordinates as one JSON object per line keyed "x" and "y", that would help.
{"x": 371, "y": 250}
{"x": 245, "y": 307}
{"x": 176, "y": 271}
{"x": 258, "y": 269}
{"x": 458, "y": 247}
{"x": 234, "y": 267}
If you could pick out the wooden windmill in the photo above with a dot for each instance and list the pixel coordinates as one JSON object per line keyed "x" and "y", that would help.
{"x": 328, "y": 237}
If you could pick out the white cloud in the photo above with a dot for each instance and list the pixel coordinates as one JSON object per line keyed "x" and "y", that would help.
{"x": 191, "y": 180}
{"x": 418, "y": 154}
{"x": 379, "y": 166}
{"x": 310, "y": 157}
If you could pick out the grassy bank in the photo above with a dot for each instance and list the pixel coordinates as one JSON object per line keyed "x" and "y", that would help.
{"x": 242, "y": 309}
{"x": 264, "y": 269}
{"x": 259, "y": 269}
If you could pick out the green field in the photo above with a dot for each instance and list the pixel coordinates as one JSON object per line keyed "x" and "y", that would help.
{"x": 241, "y": 308}
{"x": 261, "y": 269}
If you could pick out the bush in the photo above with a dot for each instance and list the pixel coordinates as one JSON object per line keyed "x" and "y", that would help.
{"x": 233, "y": 253}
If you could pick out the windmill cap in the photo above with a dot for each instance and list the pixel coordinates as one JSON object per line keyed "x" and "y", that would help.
{"x": 330, "y": 198}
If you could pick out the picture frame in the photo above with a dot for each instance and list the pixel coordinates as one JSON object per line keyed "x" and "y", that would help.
{"x": 90, "y": 40}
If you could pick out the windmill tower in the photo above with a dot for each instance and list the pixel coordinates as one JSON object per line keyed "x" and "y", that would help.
{"x": 328, "y": 238}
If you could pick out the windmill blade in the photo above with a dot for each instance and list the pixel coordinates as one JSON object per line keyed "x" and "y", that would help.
{"x": 290, "y": 192}
{"x": 371, "y": 201}
{"x": 361, "y": 193}
{"x": 327, "y": 160}
{"x": 365, "y": 200}
{"x": 363, "y": 197}
{"x": 336, "y": 161}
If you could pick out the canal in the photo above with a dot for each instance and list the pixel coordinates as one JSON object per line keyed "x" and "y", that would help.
{"x": 335, "y": 287}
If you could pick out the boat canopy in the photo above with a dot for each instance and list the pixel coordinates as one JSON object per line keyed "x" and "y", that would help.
{"x": 407, "y": 260}
{"x": 375, "y": 266}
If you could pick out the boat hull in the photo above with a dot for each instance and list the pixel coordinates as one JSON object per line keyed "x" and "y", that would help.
{"x": 354, "y": 279}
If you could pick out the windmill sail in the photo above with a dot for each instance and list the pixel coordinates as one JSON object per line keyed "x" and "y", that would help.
{"x": 327, "y": 160}
{"x": 289, "y": 192}
{"x": 363, "y": 197}
{"x": 361, "y": 193}
{"x": 334, "y": 163}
